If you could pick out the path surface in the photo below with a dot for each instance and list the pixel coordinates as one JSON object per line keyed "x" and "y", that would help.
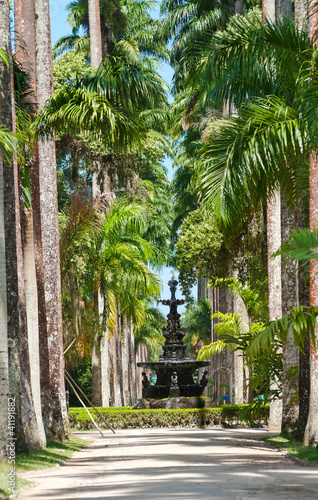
{"x": 179, "y": 464}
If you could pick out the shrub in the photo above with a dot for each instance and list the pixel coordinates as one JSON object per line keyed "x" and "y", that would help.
{"x": 128, "y": 418}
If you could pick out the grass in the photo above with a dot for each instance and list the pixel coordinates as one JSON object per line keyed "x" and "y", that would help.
{"x": 293, "y": 447}
{"x": 54, "y": 453}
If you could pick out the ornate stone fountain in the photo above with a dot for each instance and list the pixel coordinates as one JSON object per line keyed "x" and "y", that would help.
{"x": 174, "y": 369}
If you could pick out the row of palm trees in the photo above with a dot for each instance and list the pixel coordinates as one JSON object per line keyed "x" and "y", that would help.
{"x": 262, "y": 73}
{"x": 259, "y": 72}
{"x": 105, "y": 245}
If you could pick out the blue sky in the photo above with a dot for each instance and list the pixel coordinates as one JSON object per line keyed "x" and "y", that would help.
{"x": 60, "y": 27}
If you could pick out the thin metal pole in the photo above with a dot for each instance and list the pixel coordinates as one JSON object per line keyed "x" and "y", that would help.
{"x": 89, "y": 402}
{"x": 90, "y": 416}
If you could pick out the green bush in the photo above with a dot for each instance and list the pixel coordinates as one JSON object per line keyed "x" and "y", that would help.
{"x": 128, "y": 418}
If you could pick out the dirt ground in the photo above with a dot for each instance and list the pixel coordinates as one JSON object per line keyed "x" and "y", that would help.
{"x": 182, "y": 464}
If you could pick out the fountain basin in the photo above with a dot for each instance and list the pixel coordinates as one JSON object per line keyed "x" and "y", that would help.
{"x": 166, "y": 370}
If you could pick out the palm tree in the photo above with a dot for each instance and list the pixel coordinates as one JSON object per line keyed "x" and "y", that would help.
{"x": 139, "y": 37}
{"x": 51, "y": 344}
{"x": 286, "y": 120}
{"x": 116, "y": 255}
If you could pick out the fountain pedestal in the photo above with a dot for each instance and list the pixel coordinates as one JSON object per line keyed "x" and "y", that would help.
{"x": 174, "y": 369}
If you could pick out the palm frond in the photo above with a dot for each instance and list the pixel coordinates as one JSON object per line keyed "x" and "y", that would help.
{"x": 301, "y": 246}
{"x": 210, "y": 350}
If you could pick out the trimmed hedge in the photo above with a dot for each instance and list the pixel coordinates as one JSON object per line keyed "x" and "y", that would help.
{"x": 128, "y": 418}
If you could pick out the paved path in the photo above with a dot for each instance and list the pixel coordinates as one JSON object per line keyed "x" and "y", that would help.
{"x": 179, "y": 464}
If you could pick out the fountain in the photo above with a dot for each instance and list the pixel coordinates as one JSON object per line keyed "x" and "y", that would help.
{"x": 174, "y": 369}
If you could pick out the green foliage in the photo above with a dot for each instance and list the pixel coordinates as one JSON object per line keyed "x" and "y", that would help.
{"x": 108, "y": 249}
{"x": 264, "y": 367}
{"x": 197, "y": 322}
{"x": 9, "y": 143}
{"x": 150, "y": 333}
{"x": 127, "y": 418}
{"x": 301, "y": 246}
{"x": 199, "y": 250}
{"x": 82, "y": 374}
{"x": 4, "y": 57}
{"x": 254, "y": 298}
{"x": 301, "y": 319}
{"x": 68, "y": 68}
{"x": 133, "y": 40}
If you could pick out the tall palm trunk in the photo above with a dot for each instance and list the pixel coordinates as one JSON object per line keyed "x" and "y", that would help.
{"x": 95, "y": 34}
{"x": 101, "y": 355}
{"x": 4, "y": 368}
{"x": 52, "y": 380}
{"x": 274, "y": 289}
{"x": 290, "y": 286}
{"x": 31, "y": 294}
{"x": 311, "y": 432}
{"x": 281, "y": 281}
{"x": 25, "y": 53}
{"x": 26, "y": 430}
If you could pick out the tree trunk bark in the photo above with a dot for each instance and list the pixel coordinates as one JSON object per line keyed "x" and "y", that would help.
{"x": 33, "y": 319}
{"x": 95, "y": 35}
{"x": 54, "y": 404}
{"x": 100, "y": 354}
{"x": 4, "y": 367}
{"x": 304, "y": 360}
{"x": 290, "y": 351}
{"x": 238, "y": 371}
{"x": 283, "y": 8}
{"x": 311, "y": 432}
{"x": 274, "y": 290}
{"x": 300, "y": 12}
{"x": 25, "y": 53}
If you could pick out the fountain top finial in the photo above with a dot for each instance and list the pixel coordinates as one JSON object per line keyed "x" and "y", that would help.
{"x": 172, "y": 302}
{"x": 173, "y": 283}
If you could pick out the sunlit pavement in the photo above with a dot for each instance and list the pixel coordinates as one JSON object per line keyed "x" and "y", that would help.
{"x": 189, "y": 464}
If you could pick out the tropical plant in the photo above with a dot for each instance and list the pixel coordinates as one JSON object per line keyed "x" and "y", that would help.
{"x": 199, "y": 250}
{"x": 197, "y": 322}
{"x": 263, "y": 368}
{"x": 150, "y": 333}
{"x": 132, "y": 40}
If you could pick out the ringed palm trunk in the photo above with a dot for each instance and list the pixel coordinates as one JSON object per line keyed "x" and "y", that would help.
{"x": 95, "y": 34}
{"x": 281, "y": 282}
{"x": 25, "y": 54}
{"x": 52, "y": 380}
{"x": 290, "y": 286}
{"x": 4, "y": 367}
{"x": 102, "y": 379}
{"x": 274, "y": 290}
{"x": 311, "y": 432}
{"x": 33, "y": 318}
{"x": 26, "y": 430}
